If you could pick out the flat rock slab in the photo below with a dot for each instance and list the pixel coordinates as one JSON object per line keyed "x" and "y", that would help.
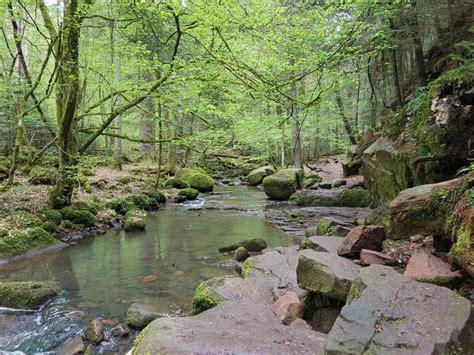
{"x": 278, "y": 266}
{"x": 326, "y": 244}
{"x": 424, "y": 266}
{"x": 388, "y": 313}
{"x": 235, "y": 288}
{"x": 325, "y": 273}
{"x": 230, "y": 328}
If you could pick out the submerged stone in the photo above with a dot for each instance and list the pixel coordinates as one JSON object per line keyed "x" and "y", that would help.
{"x": 252, "y": 245}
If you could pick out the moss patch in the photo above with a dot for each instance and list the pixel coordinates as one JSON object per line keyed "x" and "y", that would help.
{"x": 189, "y": 193}
{"x": 204, "y": 298}
{"x": 197, "y": 179}
{"x": 20, "y": 241}
{"x": 26, "y": 295}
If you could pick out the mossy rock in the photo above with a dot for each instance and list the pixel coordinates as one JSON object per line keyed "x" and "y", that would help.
{"x": 256, "y": 176}
{"x": 241, "y": 254}
{"x": 135, "y": 220}
{"x": 196, "y": 179}
{"x": 79, "y": 216}
{"x": 143, "y": 202}
{"x": 325, "y": 227}
{"x": 177, "y": 183}
{"x": 180, "y": 199}
{"x": 156, "y": 195}
{"x": 255, "y": 244}
{"x": 283, "y": 184}
{"x": 26, "y": 295}
{"x": 345, "y": 198}
{"x": 140, "y": 315}
{"x": 121, "y": 205}
{"x": 42, "y": 176}
{"x": 306, "y": 243}
{"x": 205, "y": 298}
{"x": 189, "y": 193}
{"x": 21, "y": 241}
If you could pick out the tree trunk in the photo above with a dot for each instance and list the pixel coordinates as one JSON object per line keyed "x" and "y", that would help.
{"x": 395, "y": 71}
{"x": 148, "y": 130}
{"x": 345, "y": 119}
{"x": 116, "y": 63}
{"x": 418, "y": 47}
{"x": 279, "y": 112}
{"x": 295, "y": 129}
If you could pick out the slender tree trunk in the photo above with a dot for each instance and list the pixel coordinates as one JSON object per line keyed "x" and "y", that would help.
{"x": 395, "y": 71}
{"x": 418, "y": 47}
{"x": 279, "y": 112}
{"x": 148, "y": 130}
{"x": 345, "y": 119}
{"x": 117, "y": 64}
{"x": 160, "y": 144}
{"x": 295, "y": 129}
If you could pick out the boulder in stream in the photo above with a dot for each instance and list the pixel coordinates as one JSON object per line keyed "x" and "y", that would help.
{"x": 252, "y": 245}
{"x": 196, "y": 178}
{"x": 94, "y": 332}
{"x": 26, "y": 295}
{"x": 283, "y": 184}
{"x": 135, "y": 220}
{"x": 256, "y": 176}
{"x": 388, "y": 313}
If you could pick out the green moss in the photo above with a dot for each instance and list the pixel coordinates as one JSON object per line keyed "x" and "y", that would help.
{"x": 135, "y": 220}
{"x": 306, "y": 244}
{"x": 121, "y": 205}
{"x": 124, "y": 180}
{"x": 177, "y": 183}
{"x": 86, "y": 171}
{"x": 196, "y": 179}
{"x": 241, "y": 254}
{"x": 246, "y": 268}
{"x": 180, "y": 199}
{"x": 26, "y": 295}
{"x": 462, "y": 252}
{"x": 20, "y": 241}
{"x": 204, "y": 298}
{"x": 42, "y": 176}
{"x": 143, "y": 202}
{"x": 84, "y": 183}
{"x": 325, "y": 227}
{"x": 3, "y": 232}
{"x": 283, "y": 184}
{"x": 189, "y": 193}
{"x": 50, "y": 215}
{"x": 78, "y": 216}
{"x": 156, "y": 195}
{"x": 353, "y": 198}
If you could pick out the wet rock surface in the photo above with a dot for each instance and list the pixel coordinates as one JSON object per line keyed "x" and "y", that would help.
{"x": 140, "y": 315}
{"x": 391, "y": 313}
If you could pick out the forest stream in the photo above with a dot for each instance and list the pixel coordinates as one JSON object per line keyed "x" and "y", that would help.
{"x": 101, "y": 276}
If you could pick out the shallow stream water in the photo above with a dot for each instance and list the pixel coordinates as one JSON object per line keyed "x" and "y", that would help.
{"x": 102, "y": 275}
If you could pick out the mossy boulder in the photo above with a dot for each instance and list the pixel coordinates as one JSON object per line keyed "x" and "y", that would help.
{"x": 135, "y": 220}
{"x": 143, "y": 202}
{"x": 26, "y": 295}
{"x": 196, "y": 178}
{"x": 425, "y": 210}
{"x": 311, "y": 180}
{"x": 346, "y": 198}
{"x": 180, "y": 199}
{"x": 256, "y": 176}
{"x": 241, "y": 254}
{"x": 79, "y": 216}
{"x": 325, "y": 227}
{"x": 256, "y": 245}
{"x": 205, "y": 298}
{"x": 42, "y": 176}
{"x": 281, "y": 185}
{"x": 156, "y": 195}
{"x": 189, "y": 193}
{"x": 140, "y": 315}
{"x": 21, "y": 241}
{"x": 177, "y": 183}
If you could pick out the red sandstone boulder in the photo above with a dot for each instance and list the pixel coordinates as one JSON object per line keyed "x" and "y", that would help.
{"x": 288, "y": 307}
{"x": 371, "y": 257}
{"x": 362, "y": 237}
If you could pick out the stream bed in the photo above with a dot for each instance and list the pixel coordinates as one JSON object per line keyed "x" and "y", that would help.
{"x": 103, "y": 275}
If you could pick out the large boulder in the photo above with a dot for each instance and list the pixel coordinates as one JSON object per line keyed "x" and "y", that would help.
{"x": 424, "y": 209}
{"x": 26, "y": 295}
{"x": 197, "y": 179}
{"x": 325, "y": 274}
{"x": 283, "y": 184}
{"x": 140, "y": 315}
{"x": 352, "y": 163}
{"x": 386, "y": 171}
{"x": 362, "y": 237}
{"x": 288, "y": 307}
{"x": 256, "y": 176}
{"x": 462, "y": 252}
{"x": 326, "y": 244}
{"x": 234, "y": 327}
{"x": 388, "y": 313}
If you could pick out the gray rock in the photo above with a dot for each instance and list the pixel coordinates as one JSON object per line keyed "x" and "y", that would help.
{"x": 326, "y": 274}
{"x": 73, "y": 346}
{"x": 231, "y": 328}
{"x": 326, "y": 244}
{"x": 121, "y": 330}
{"x": 256, "y": 244}
{"x": 388, "y": 313}
{"x": 140, "y": 315}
